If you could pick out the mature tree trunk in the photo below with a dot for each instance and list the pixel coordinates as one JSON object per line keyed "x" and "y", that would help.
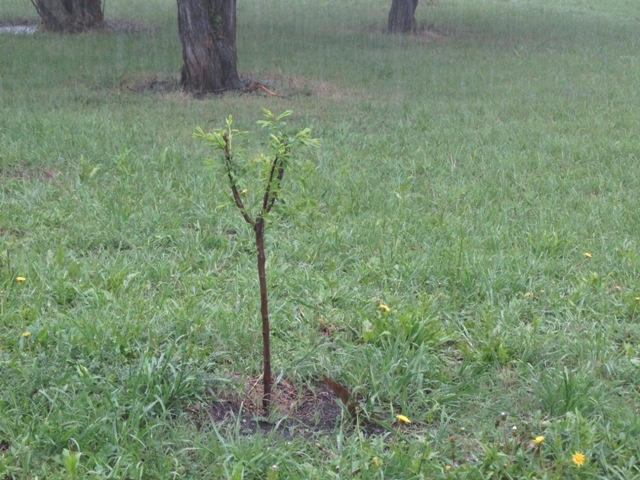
{"x": 208, "y": 34}
{"x": 70, "y": 16}
{"x": 402, "y": 17}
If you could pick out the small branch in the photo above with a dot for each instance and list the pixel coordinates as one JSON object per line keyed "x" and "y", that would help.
{"x": 250, "y": 87}
{"x": 234, "y": 189}
{"x": 327, "y": 451}
{"x": 262, "y": 87}
{"x": 279, "y": 181}
{"x": 270, "y": 199}
{"x": 343, "y": 394}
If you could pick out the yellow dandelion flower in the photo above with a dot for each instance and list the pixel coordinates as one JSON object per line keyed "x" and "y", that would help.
{"x": 20, "y": 279}
{"x": 403, "y": 419}
{"x": 528, "y": 294}
{"x": 587, "y": 255}
{"x": 243, "y": 191}
{"x": 578, "y": 458}
{"x": 384, "y": 308}
{"x": 539, "y": 439}
{"x": 26, "y": 334}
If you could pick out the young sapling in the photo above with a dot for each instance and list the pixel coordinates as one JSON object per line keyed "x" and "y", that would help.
{"x": 272, "y": 167}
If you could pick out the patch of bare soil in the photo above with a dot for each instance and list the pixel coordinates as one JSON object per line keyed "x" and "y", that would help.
{"x": 10, "y": 22}
{"x": 30, "y": 25}
{"x": 123, "y": 26}
{"x": 155, "y": 84}
{"x": 19, "y": 26}
{"x": 27, "y": 173}
{"x": 297, "y": 411}
{"x": 265, "y": 85}
{"x": 296, "y": 85}
{"x": 427, "y": 33}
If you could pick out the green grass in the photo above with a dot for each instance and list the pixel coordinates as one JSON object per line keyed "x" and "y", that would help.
{"x": 460, "y": 181}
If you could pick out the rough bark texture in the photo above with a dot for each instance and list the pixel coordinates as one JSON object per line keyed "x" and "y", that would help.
{"x": 208, "y": 34}
{"x": 402, "y": 16}
{"x": 70, "y": 16}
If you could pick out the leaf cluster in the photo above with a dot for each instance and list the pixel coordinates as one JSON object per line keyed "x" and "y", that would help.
{"x": 256, "y": 182}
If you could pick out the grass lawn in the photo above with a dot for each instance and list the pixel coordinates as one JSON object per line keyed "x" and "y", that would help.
{"x": 477, "y": 179}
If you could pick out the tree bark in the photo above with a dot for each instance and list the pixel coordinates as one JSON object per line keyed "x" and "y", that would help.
{"x": 402, "y": 16}
{"x": 258, "y": 227}
{"x": 70, "y": 16}
{"x": 207, "y": 31}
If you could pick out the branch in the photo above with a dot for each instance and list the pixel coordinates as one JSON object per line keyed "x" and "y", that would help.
{"x": 270, "y": 199}
{"x": 236, "y": 195}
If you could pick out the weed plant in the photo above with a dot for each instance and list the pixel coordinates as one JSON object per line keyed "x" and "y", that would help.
{"x": 477, "y": 181}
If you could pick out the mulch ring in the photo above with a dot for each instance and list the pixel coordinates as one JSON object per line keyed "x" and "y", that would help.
{"x": 427, "y": 33}
{"x": 155, "y": 84}
{"x": 296, "y": 411}
{"x": 263, "y": 84}
{"x": 31, "y": 25}
{"x": 9, "y": 22}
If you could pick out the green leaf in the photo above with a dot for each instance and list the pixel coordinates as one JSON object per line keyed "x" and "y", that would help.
{"x": 284, "y": 114}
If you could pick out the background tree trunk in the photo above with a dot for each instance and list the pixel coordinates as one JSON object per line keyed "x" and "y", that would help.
{"x": 70, "y": 16}
{"x": 208, "y": 34}
{"x": 402, "y": 16}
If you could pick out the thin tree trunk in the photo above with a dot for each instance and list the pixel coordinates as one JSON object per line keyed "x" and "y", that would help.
{"x": 264, "y": 313}
{"x": 207, "y": 31}
{"x": 70, "y": 16}
{"x": 402, "y": 16}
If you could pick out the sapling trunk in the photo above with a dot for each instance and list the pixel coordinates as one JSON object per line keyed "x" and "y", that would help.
{"x": 271, "y": 192}
{"x": 258, "y": 228}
